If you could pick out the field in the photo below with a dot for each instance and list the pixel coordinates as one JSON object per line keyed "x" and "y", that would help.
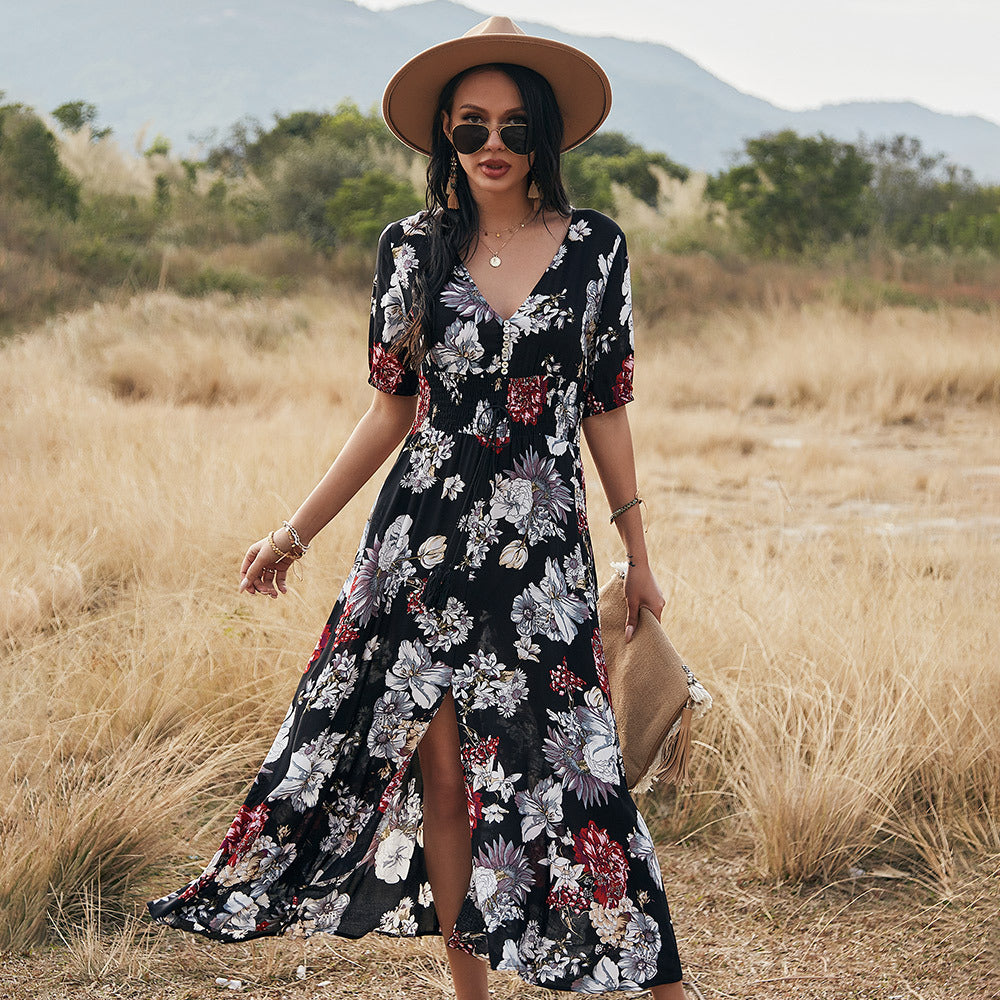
{"x": 822, "y": 490}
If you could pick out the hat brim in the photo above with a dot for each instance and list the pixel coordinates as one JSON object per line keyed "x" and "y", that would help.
{"x": 581, "y": 87}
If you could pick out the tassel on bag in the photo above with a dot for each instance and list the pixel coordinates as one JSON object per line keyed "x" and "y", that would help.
{"x": 453, "y": 183}
{"x": 674, "y": 766}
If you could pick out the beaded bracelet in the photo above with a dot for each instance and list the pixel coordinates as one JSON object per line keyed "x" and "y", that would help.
{"x": 294, "y": 536}
{"x": 625, "y": 506}
{"x": 274, "y": 545}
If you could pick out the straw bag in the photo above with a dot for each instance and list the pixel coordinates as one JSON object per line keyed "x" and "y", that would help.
{"x": 654, "y": 696}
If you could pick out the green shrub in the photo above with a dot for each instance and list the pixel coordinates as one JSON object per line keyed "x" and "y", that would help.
{"x": 233, "y": 281}
{"x": 29, "y": 162}
{"x": 363, "y": 206}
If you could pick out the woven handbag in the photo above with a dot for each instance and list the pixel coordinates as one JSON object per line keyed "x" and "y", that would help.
{"x": 654, "y": 696}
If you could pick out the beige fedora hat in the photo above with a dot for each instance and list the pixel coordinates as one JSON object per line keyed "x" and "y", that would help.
{"x": 582, "y": 88}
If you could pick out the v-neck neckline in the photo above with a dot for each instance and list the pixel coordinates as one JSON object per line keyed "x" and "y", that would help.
{"x": 507, "y": 319}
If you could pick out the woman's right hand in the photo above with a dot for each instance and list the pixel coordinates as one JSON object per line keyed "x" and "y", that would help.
{"x": 262, "y": 571}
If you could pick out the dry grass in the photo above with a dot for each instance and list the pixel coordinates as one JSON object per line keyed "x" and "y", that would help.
{"x": 823, "y": 515}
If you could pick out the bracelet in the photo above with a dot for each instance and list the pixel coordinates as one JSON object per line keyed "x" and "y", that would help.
{"x": 281, "y": 555}
{"x": 294, "y": 536}
{"x": 625, "y": 506}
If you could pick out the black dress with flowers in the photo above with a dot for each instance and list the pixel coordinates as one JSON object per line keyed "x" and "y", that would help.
{"x": 475, "y": 574}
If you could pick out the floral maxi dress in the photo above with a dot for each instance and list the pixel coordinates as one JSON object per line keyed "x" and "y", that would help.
{"x": 474, "y": 574}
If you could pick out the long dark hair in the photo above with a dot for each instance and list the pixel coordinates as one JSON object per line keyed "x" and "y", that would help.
{"x": 454, "y": 232}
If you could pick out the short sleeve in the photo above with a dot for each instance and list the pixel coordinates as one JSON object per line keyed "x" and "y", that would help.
{"x": 611, "y": 343}
{"x": 389, "y": 307}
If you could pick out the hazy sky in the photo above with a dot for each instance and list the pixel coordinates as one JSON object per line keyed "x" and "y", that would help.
{"x": 802, "y": 53}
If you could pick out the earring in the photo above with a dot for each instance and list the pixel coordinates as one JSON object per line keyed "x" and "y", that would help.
{"x": 534, "y": 195}
{"x": 453, "y": 182}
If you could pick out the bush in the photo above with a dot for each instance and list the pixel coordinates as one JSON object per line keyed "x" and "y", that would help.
{"x": 362, "y": 206}
{"x": 796, "y": 191}
{"x": 29, "y": 162}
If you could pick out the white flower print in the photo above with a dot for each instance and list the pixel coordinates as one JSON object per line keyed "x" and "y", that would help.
{"x": 414, "y": 671}
{"x": 305, "y": 777}
{"x": 526, "y": 649}
{"x": 540, "y": 808}
{"x": 404, "y": 261}
{"x": 548, "y": 607}
{"x": 347, "y": 819}
{"x": 493, "y": 813}
{"x": 385, "y": 567}
{"x": 238, "y": 916}
{"x": 394, "y": 309}
{"x": 425, "y": 897}
{"x": 400, "y": 920}
{"x": 578, "y": 231}
{"x": 429, "y": 449}
{"x": 432, "y": 550}
{"x": 564, "y": 748}
{"x": 514, "y": 554}
{"x": 512, "y": 500}
{"x": 392, "y": 856}
{"x": 641, "y": 844}
{"x": 481, "y": 531}
{"x": 625, "y": 315}
{"x": 390, "y": 727}
{"x": 605, "y": 977}
{"x": 502, "y": 876}
{"x": 600, "y": 749}
{"x": 445, "y": 628}
{"x": 461, "y": 351}
{"x": 452, "y": 486}
{"x": 325, "y": 913}
{"x": 509, "y": 691}
{"x": 336, "y": 682}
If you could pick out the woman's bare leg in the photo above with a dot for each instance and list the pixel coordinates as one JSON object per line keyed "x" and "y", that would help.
{"x": 671, "y": 991}
{"x": 447, "y": 844}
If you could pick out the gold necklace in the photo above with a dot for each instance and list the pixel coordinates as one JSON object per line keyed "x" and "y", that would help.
{"x": 495, "y": 260}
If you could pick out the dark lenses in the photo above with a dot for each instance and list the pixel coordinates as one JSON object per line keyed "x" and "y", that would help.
{"x": 469, "y": 138}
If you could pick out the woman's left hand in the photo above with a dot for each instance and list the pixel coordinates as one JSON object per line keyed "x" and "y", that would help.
{"x": 641, "y": 590}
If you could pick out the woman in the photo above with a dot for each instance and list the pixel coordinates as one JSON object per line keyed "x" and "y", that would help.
{"x": 459, "y": 685}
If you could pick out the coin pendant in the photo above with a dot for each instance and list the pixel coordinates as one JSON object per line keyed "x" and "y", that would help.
{"x": 495, "y": 261}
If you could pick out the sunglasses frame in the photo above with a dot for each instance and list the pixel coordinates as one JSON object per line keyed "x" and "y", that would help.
{"x": 489, "y": 131}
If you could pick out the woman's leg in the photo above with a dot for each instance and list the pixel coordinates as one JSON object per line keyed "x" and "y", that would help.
{"x": 672, "y": 991}
{"x": 447, "y": 844}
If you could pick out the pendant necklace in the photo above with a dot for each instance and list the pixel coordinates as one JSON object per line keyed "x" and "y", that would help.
{"x": 495, "y": 260}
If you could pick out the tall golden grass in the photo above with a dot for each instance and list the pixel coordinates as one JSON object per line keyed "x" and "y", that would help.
{"x": 822, "y": 517}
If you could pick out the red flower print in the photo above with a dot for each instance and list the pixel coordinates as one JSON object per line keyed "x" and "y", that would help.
{"x": 423, "y": 402}
{"x": 243, "y": 831}
{"x": 602, "y": 667}
{"x": 623, "y": 383}
{"x": 478, "y": 754}
{"x": 562, "y": 679}
{"x": 345, "y": 630}
{"x": 475, "y": 807}
{"x": 567, "y": 898}
{"x": 386, "y": 369}
{"x": 526, "y": 398}
{"x": 604, "y": 860}
{"x": 415, "y": 602}
{"x": 320, "y": 646}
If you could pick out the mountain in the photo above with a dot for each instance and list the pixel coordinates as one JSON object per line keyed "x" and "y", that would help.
{"x": 185, "y": 68}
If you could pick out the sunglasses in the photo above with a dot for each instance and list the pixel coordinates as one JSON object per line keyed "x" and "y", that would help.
{"x": 469, "y": 138}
